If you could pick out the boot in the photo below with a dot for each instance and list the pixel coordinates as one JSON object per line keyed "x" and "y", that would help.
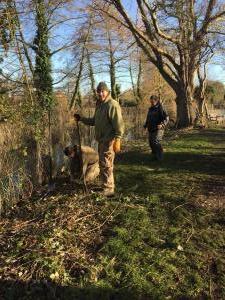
{"x": 108, "y": 192}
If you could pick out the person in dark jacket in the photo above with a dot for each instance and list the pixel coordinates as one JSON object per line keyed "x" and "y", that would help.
{"x": 156, "y": 121}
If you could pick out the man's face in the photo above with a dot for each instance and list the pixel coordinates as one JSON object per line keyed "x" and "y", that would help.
{"x": 153, "y": 102}
{"x": 69, "y": 152}
{"x": 102, "y": 95}
{"x": 72, "y": 154}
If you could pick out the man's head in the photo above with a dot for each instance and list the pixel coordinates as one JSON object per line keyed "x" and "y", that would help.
{"x": 102, "y": 91}
{"x": 154, "y": 99}
{"x": 70, "y": 151}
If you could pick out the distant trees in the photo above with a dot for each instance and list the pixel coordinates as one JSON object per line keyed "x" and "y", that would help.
{"x": 208, "y": 93}
{"x": 215, "y": 92}
{"x": 100, "y": 51}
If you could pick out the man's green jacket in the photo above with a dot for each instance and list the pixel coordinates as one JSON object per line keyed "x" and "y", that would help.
{"x": 107, "y": 120}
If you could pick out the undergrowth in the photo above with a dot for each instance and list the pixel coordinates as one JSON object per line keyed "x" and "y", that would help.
{"x": 153, "y": 240}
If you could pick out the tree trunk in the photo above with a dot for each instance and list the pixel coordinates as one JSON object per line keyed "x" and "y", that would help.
{"x": 206, "y": 110}
{"x": 113, "y": 78}
{"x": 203, "y": 115}
{"x": 112, "y": 68}
{"x": 184, "y": 106}
{"x": 34, "y": 163}
{"x": 92, "y": 78}
{"x": 138, "y": 93}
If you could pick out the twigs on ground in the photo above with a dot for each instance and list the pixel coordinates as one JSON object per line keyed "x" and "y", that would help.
{"x": 44, "y": 238}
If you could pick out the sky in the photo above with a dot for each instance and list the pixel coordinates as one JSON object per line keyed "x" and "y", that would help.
{"x": 215, "y": 72}
{"x": 65, "y": 31}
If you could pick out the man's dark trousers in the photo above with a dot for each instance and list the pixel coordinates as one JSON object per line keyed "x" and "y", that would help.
{"x": 155, "y": 139}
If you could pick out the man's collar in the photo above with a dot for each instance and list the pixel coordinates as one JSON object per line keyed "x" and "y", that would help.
{"x": 156, "y": 105}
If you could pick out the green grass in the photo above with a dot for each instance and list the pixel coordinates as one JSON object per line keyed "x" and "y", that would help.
{"x": 154, "y": 240}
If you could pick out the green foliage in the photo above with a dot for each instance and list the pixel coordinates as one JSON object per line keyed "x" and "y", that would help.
{"x": 8, "y": 24}
{"x": 6, "y": 109}
{"x": 215, "y": 92}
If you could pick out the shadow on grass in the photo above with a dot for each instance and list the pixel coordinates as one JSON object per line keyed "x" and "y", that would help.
{"x": 211, "y": 164}
{"x": 43, "y": 290}
{"x": 138, "y": 172}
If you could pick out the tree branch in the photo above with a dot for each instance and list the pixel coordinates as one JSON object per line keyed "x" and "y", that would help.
{"x": 62, "y": 48}
{"x": 138, "y": 34}
{"x": 209, "y": 18}
{"x": 159, "y": 31}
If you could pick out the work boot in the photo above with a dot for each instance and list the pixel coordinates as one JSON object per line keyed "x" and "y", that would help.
{"x": 97, "y": 188}
{"x": 108, "y": 192}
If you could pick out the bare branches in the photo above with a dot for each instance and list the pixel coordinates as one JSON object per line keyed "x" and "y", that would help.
{"x": 62, "y": 48}
{"x": 78, "y": 79}
{"x": 209, "y": 18}
{"x": 160, "y": 32}
{"x": 141, "y": 36}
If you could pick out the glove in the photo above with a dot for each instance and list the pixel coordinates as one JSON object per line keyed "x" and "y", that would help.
{"x": 77, "y": 117}
{"x": 116, "y": 145}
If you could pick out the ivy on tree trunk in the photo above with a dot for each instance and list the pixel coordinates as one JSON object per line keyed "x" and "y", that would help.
{"x": 43, "y": 69}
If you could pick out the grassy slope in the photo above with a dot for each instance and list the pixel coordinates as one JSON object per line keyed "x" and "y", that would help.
{"x": 154, "y": 241}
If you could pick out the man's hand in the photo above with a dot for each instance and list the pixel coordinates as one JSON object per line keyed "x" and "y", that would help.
{"x": 160, "y": 126}
{"x": 77, "y": 117}
{"x": 116, "y": 145}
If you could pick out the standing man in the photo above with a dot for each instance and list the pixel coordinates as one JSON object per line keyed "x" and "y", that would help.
{"x": 109, "y": 128}
{"x": 156, "y": 121}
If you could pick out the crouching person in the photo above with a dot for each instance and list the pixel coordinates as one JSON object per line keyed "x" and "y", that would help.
{"x": 90, "y": 163}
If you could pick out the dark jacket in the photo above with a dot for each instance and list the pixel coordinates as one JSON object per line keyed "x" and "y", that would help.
{"x": 156, "y": 116}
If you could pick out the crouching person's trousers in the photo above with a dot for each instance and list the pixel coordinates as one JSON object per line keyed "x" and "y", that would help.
{"x": 92, "y": 172}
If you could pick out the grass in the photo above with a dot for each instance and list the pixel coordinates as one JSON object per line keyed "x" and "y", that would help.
{"x": 155, "y": 240}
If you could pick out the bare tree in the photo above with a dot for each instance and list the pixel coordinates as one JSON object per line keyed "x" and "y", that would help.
{"x": 173, "y": 34}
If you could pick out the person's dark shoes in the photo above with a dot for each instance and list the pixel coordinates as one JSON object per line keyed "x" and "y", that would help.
{"x": 159, "y": 156}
